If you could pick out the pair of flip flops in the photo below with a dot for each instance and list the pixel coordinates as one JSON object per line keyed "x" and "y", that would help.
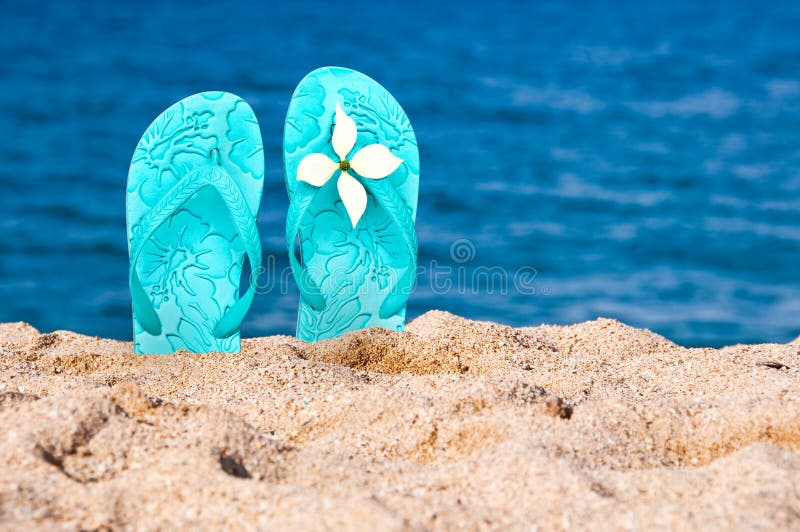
{"x": 194, "y": 188}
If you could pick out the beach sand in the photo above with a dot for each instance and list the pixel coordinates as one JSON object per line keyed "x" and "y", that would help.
{"x": 452, "y": 424}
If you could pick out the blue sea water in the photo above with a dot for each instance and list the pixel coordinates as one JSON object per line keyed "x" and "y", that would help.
{"x": 642, "y": 160}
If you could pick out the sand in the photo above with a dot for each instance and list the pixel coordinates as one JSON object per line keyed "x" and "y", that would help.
{"x": 452, "y": 424}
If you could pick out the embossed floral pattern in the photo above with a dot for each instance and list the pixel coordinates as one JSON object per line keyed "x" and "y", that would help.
{"x": 373, "y": 161}
{"x": 174, "y": 256}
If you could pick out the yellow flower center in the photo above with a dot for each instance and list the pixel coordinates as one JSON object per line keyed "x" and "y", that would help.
{"x": 344, "y": 165}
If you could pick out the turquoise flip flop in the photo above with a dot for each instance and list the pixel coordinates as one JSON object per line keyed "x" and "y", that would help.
{"x": 352, "y": 172}
{"x": 194, "y": 187}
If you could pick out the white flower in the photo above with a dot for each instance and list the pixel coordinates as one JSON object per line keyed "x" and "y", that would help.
{"x": 372, "y": 162}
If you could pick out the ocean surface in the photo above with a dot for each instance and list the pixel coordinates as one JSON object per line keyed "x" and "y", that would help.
{"x": 578, "y": 160}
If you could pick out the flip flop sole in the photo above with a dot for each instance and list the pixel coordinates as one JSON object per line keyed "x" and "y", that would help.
{"x": 355, "y": 268}
{"x": 191, "y": 263}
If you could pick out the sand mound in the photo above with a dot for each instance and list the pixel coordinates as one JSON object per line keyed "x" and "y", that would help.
{"x": 435, "y": 343}
{"x": 454, "y": 423}
{"x": 17, "y": 332}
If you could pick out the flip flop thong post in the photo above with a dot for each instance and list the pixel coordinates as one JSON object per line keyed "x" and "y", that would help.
{"x": 194, "y": 188}
{"x": 352, "y": 172}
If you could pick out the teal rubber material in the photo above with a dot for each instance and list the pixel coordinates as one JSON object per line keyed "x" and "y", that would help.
{"x": 194, "y": 188}
{"x": 350, "y": 277}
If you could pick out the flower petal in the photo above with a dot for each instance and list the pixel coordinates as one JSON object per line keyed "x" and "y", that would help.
{"x": 353, "y": 196}
{"x": 316, "y": 168}
{"x": 344, "y": 133}
{"x": 375, "y": 161}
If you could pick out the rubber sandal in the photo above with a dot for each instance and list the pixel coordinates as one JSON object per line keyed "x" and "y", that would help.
{"x": 352, "y": 173}
{"x": 194, "y": 188}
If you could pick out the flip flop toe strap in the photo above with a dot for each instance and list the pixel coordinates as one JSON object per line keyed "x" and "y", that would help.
{"x": 309, "y": 290}
{"x": 393, "y": 204}
{"x": 396, "y": 208}
{"x": 206, "y": 176}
